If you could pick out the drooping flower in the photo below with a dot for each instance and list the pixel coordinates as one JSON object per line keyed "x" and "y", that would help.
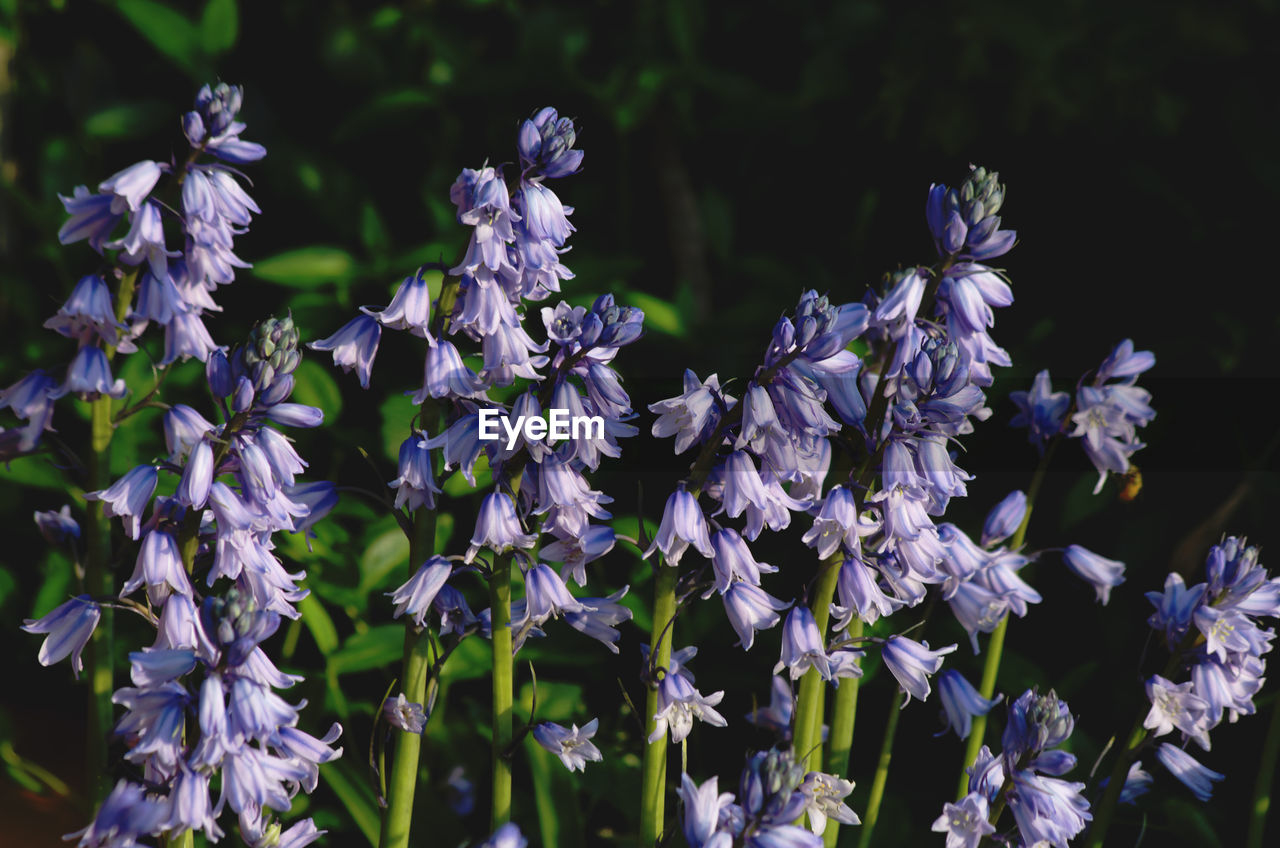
{"x": 415, "y": 597}
{"x": 69, "y": 627}
{"x": 572, "y": 745}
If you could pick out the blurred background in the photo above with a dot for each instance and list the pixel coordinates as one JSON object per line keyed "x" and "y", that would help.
{"x": 736, "y": 154}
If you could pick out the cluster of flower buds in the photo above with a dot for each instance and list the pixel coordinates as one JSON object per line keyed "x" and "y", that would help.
{"x": 1026, "y": 776}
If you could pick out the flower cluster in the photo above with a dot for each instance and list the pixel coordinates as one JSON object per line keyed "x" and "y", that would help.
{"x": 1026, "y": 777}
{"x": 517, "y": 235}
{"x": 1105, "y": 414}
{"x": 773, "y": 792}
{"x": 1212, "y": 627}
{"x": 173, "y": 287}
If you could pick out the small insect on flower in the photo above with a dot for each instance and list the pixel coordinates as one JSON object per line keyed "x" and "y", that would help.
{"x": 1130, "y": 484}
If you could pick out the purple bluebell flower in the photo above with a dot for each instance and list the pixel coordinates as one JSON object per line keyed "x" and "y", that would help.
{"x": 354, "y": 346}
{"x": 410, "y": 308}
{"x": 802, "y": 645}
{"x": 679, "y": 704}
{"x": 1047, "y": 809}
{"x": 704, "y": 807}
{"x": 416, "y": 485}
{"x": 546, "y": 146}
{"x": 92, "y": 218}
{"x": 445, "y": 375}
{"x": 1036, "y": 723}
{"x": 89, "y": 376}
{"x": 405, "y": 714}
{"x": 683, "y": 524}
{"x": 978, "y": 609}
{"x": 1004, "y": 518}
{"x": 58, "y": 528}
{"x": 961, "y": 702}
{"x": 1175, "y": 607}
{"x": 416, "y": 596}
{"x": 777, "y": 715}
{"x": 749, "y": 609}
{"x": 599, "y": 616}
{"x": 824, "y": 798}
{"x": 126, "y": 814}
{"x": 1176, "y": 706}
{"x": 1199, "y": 779}
{"x": 859, "y": 594}
{"x": 733, "y": 560}
{"x": 572, "y": 745}
{"x": 693, "y": 415}
{"x": 130, "y": 187}
{"x": 1103, "y": 573}
{"x": 1136, "y": 784}
{"x": 88, "y": 310}
{"x": 838, "y": 524}
{"x": 197, "y": 477}
{"x": 295, "y": 415}
{"x": 32, "y": 400}
{"x": 128, "y": 497}
{"x": 184, "y": 428}
{"x": 69, "y": 627}
{"x": 965, "y": 823}
{"x": 455, "y": 616}
{"x": 507, "y": 836}
{"x": 1041, "y": 410}
{"x": 911, "y": 663}
{"x": 546, "y": 595}
{"x": 185, "y": 337}
{"x": 575, "y": 551}
{"x": 497, "y": 527}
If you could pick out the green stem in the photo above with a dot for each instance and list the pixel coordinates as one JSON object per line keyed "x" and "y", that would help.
{"x": 807, "y": 741}
{"x": 841, "y": 742}
{"x": 500, "y": 611}
{"x": 417, "y": 660}
{"x": 653, "y": 785}
{"x": 882, "y": 774}
{"x": 1262, "y": 786}
{"x": 995, "y": 647}
{"x": 98, "y": 583}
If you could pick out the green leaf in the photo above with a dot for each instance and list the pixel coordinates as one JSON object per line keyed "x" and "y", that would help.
{"x": 317, "y": 619}
{"x": 307, "y": 266}
{"x": 169, "y": 31}
{"x": 373, "y": 233}
{"x": 128, "y": 120}
{"x": 355, "y": 795}
{"x": 315, "y": 386}
{"x": 376, "y": 647}
{"x": 35, "y": 471}
{"x": 56, "y": 587}
{"x": 659, "y": 314}
{"x": 395, "y": 413}
{"x": 219, "y": 26}
{"x": 385, "y": 554}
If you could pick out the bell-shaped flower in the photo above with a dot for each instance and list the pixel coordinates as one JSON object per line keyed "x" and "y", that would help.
{"x": 750, "y": 608}
{"x": 497, "y": 527}
{"x": 572, "y": 745}
{"x": 89, "y": 376}
{"x": 911, "y": 663}
{"x": 354, "y": 346}
{"x": 69, "y": 627}
{"x": 128, "y": 497}
{"x": 679, "y": 704}
{"x": 961, "y": 702}
{"x": 683, "y": 524}
{"x": 1103, "y": 573}
{"x": 802, "y": 645}
{"x": 410, "y": 308}
{"x": 415, "y": 597}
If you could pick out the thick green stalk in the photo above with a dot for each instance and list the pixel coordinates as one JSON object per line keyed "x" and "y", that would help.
{"x": 654, "y": 780}
{"x": 995, "y": 647}
{"x": 404, "y": 770}
{"x": 500, "y": 611}
{"x": 841, "y": 741}
{"x": 98, "y": 584}
{"x": 882, "y": 774}
{"x": 98, "y": 580}
{"x": 807, "y": 741}
{"x": 1262, "y": 786}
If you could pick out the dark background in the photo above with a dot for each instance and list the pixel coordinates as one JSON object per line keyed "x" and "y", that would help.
{"x": 736, "y": 155}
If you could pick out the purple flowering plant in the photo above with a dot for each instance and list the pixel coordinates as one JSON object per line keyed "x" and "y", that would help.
{"x": 486, "y": 529}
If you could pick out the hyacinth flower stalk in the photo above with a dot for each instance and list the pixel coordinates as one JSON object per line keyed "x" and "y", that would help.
{"x": 517, "y": 236}
{"x": 1105, "y": 414}
{"x": 145, "y": 282}
{"x": 1211, "y": 630}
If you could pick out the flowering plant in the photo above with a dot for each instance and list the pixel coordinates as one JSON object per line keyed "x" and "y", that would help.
{"x": 839, "y": 454}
